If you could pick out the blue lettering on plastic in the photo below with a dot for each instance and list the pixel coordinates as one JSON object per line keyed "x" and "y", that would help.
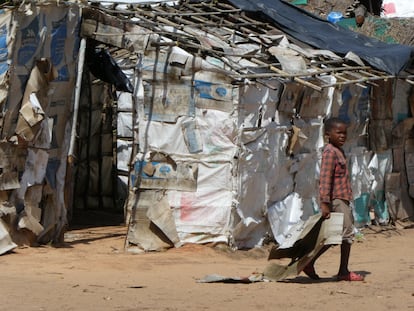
{"x": 4, "y": 53}
{"x": 30, "y": 41}
{"x": 3, "y": 37}
{"x": 221, "y": 91}
{"x": 3, "y": 68}
{"x": 63, "y": 74}
{"x": 203, "y": 88}
{"x": 164, "y": 169}
{"x": 206, "y": 89}
{"x": 57, "y": 45}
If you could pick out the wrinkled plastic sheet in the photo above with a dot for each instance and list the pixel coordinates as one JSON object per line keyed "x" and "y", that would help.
{"x": 319, "y": 33}
{"x": 6, "y": 243}
{"x": 397, "y": 8}
{"x": 211, "y": 134}
{"x": 205, "y": 214}
{"x": 283, "y": 215}
{"x": 104, "y": 67}
{"x": 202, "y": 216}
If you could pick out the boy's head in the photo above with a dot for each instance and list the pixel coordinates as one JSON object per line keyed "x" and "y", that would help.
{"x": 335, "y": 130}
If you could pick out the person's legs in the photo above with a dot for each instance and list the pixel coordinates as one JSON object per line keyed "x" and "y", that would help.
{"x": 339, "y": 206}
{"x": 347, "y": 238}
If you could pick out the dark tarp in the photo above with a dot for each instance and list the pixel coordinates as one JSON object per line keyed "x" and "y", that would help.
{"x": 321, "y": 34}
{"x": 105, "y": 68}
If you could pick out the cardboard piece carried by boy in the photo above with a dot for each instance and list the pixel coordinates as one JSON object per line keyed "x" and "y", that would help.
{"x": 304, "y": 241}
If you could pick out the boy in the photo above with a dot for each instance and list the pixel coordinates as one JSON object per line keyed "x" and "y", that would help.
{"x": 335, "y": 193}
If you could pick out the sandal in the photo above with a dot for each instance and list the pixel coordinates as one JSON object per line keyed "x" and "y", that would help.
{"x": 351, "y": 276}
{"x": 309, "y": 270}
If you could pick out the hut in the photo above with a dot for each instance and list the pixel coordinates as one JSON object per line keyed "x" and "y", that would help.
{"x": 202, "y": 121}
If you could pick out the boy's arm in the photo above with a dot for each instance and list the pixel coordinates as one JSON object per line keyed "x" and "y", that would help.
{"x": 326, "y": 210}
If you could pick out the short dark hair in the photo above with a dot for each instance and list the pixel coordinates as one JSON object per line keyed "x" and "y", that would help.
{"x": 331, "y": 122}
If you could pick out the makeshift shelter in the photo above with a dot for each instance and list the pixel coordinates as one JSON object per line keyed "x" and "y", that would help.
{"x": 39, "y": 49}
{"x": 204, "y": 121}
{"x": 228, "y": 118}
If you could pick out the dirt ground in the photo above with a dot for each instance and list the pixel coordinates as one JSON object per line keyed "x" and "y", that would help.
{"x": 91, "y": 271}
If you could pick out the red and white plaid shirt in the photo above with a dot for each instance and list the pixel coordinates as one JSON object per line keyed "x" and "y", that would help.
{"x": 334, "y": 181}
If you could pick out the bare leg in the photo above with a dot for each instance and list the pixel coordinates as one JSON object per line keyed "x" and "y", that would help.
{"x": 309, "y": 270}
{"x": 345, "y": 252}
{"x": 344, "y": 274}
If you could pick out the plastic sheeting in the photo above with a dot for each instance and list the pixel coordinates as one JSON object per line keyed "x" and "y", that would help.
{"x": 6, "y": 243}
{"x": 36, "y": 116}
{"x": 283, "y": 215}
{"x": 319, "y": 33}
{"x": 397, "y": 8}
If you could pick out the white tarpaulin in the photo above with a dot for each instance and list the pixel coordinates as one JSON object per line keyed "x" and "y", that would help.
{"x": 6, "y": 243}
{"x": 397, "y": 8}
{"x": 283, "y": 215}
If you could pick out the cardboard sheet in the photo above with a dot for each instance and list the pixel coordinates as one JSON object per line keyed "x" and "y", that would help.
{"x": 304, "y": 242}
{"x": 167, "y": 102}
{"x": 9, "y": 159}
{"x": 35, "y": 100}
{"x": 35, "y": 170}
{"x": 165, "y": 175}
{"x": 142, "y": 233}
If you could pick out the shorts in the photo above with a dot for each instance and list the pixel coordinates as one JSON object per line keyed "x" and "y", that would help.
{"x": 341, "y": 206}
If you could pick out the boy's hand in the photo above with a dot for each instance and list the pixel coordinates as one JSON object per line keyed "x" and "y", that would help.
{"x": 326, "y": 210}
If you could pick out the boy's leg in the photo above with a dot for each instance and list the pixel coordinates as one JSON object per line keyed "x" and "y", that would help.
{"x": 341, "y": 206}
{"x": 344, "y": 274}
{"x": 309, "y": 270}
{"x": 345, "y": 252}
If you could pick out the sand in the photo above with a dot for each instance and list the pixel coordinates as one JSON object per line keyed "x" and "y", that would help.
{"x": 91, "y": 271}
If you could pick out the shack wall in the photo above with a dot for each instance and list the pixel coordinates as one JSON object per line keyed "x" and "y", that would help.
{"x": 38, "y": 74}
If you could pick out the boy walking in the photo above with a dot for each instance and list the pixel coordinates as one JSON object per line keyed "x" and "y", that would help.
{"x": 335, "y": 194}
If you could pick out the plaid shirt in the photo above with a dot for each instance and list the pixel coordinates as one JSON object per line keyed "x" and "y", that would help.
{"x": 334, "y": 181}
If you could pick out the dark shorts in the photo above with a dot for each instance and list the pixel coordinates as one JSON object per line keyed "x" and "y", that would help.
{"x": 341, "y": 206}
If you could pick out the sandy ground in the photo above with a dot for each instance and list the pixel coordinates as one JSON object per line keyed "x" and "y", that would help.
{"x": 92, "y": 272}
